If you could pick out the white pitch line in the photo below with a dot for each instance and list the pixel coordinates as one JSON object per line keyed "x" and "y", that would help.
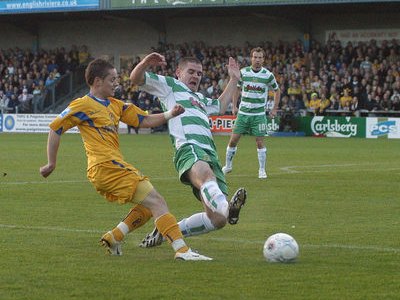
{"x": 216, "y": 239}
{"x": 285, "y": 171}
{"x": 289, "y": 169}
{"x": 350, "y": 247}
{"x": 68, "y": 181}
{"x": 42, "y": 182}
{"x": 49, "y": 228}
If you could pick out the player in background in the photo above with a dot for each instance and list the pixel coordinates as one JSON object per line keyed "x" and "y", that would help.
{"x": 255, "y": 80}
{"x": 97, "y": 115}
{"x": 196, "y": 158}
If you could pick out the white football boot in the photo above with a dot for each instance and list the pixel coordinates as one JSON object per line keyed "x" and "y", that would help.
{"x": 112, "y": 246}
{"x": 191, "y": 255}
{"x": 262, "y": 174}
{"x": 226, "y": 170}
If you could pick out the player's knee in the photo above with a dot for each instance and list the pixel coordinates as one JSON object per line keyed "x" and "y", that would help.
{"x": 233, "y": 144}
{"x": 156, "y": 203}
{"x": 218, "y": 220}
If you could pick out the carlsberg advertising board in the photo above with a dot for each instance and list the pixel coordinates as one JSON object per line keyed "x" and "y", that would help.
{"x": 333, "y": 126}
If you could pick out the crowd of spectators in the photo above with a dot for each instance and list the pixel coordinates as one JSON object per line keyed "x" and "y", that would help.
{"x": 316, "y": 78}
{"x": 25, "y": 74}
{"x": 325, "y": 77}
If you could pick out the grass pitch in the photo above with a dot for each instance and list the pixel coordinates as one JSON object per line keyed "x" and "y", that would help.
{"x": 339, "y": 198}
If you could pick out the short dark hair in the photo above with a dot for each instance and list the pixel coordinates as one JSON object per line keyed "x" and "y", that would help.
{"x": 257, "y": 49}
{"x": 184, "y": 60}
{"x": 97, "y": 68}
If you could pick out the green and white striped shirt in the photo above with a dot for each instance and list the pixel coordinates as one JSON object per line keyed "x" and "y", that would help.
{"x": 191, "y": 127}
{"x": 254, "y": 90}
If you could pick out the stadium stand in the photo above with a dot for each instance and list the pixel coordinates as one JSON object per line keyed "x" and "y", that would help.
{"x": 27, "y": 77}
{"x": 361, "y": 79}
{"x": 346, "y": 79}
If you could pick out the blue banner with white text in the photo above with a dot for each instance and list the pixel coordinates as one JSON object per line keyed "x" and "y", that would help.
{"x": 31, "y": 6}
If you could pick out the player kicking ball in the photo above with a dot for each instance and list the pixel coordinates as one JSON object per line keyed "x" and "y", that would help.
{"x": 195, "y": 158}
{"x": 97, "y": 115}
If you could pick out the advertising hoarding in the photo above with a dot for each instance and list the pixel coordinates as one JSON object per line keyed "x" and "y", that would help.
{"x": 224, "y": 124}
{"x": 345, "y": 127}
{"x": 34, "y": 123}
{"x": 32, "y": 6}
{"x": 29, "y": 123}
{"x": 383, "y": 128}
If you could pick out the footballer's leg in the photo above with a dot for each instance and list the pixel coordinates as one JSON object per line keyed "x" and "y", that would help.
{"x": 262, "y": 159}
{"x": 199, "y": 223}
{"x": 259, "y": 132}
{"x": 168, "y": 227}
{"x": 196, "y": 224}
{"x": 137, "y": 216}
{"x": 230, "y": 153}
{"x": 231, "y": 150}
{"x": 209, "y": 186}
{"x": 205, "y": 187}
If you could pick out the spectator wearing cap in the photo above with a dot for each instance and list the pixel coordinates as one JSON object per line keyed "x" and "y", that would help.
{"x": 313, "y": 103}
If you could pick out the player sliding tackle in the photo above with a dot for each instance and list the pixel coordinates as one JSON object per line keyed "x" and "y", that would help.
{"x": 196, "y": 158}
{"x": 97, "y": 115}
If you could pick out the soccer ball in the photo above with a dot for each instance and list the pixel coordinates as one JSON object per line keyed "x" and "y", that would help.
{"x": 281, "y": 247}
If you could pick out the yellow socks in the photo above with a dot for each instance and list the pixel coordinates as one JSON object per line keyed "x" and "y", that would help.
{"x": 138, "y": 216}
{"x": 168, "y": 227}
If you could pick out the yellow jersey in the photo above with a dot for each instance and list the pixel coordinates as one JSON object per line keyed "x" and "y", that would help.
{"x": 345, "y": 101}
{"x": 324, "y": 103}
{"x": 314, "y": 103}
{"x": 98, "y": 122}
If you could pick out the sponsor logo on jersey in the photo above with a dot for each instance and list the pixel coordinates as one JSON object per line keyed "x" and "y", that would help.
{"x": 197, "y": 103}
{"x": 254, "y": 88}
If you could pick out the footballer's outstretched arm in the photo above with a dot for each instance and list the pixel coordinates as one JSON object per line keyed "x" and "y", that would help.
{"x": 230, "y": 90}
{"x": 156, "y": 120}
{"x": 152, "y": 60}
{"x": 53, "y": 142}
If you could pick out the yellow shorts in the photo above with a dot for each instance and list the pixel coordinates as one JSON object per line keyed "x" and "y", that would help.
{"x": 119, "y": 182}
